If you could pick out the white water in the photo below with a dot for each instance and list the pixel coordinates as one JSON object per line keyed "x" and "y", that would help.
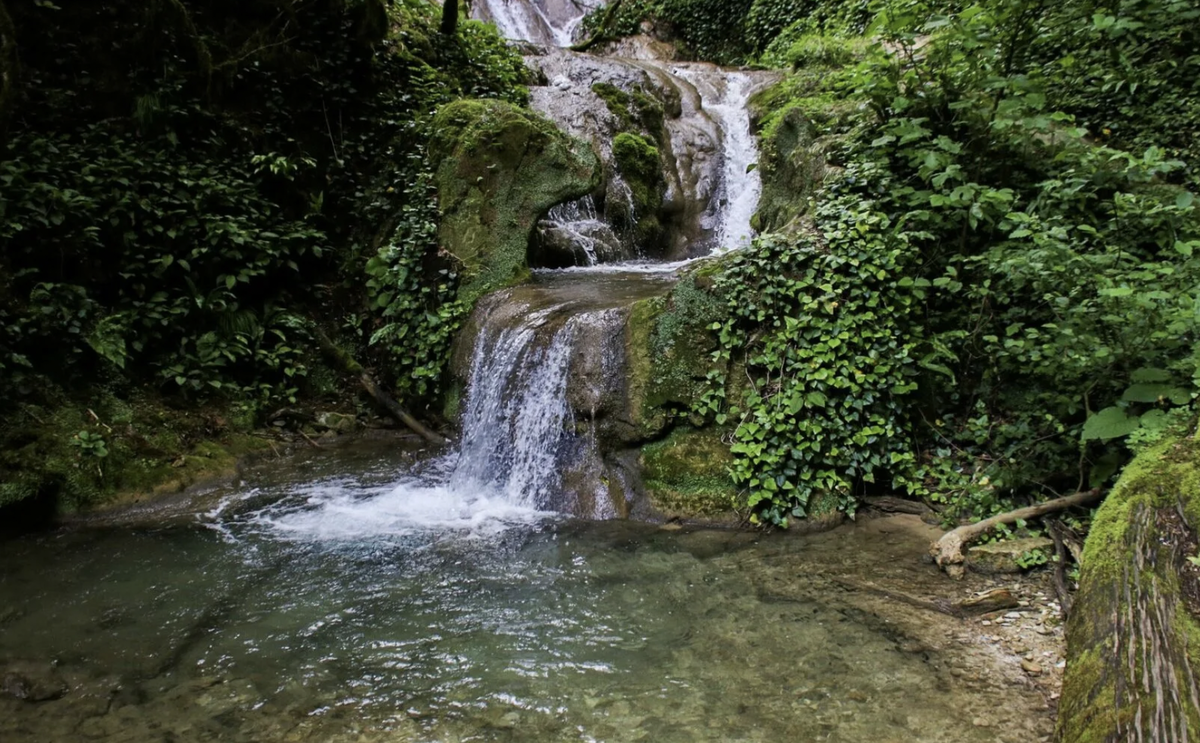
{"x": 516, "y": 413}
{"x": 535, "y": 21}
{"x": 725, "y": 97}
{"x": 504, "y": 472}
{"x": 582, "y": 223}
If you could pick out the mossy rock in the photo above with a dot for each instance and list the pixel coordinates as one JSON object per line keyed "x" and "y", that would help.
{"x": 669, "y": 352}
{"x": 639, "y": 163}
{"x": 1133, "y": 636}
{"x": 132, "y": 449}
{"x": 687, "y": 475}
{"x": 635, "y": 111}
{"x": 794, "y": 119}
{"x": 499, "y": 169}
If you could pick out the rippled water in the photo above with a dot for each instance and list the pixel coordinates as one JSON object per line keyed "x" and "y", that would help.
{"x": 332, "y": 607}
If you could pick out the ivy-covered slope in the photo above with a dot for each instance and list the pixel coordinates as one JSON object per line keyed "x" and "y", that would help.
{"x": 188, "y": 189}
{"x": 979, "y": 274}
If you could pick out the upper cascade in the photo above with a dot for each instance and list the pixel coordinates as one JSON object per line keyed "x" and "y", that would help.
{"x": 542, "y": 22}
{"x": 689, "y": 122}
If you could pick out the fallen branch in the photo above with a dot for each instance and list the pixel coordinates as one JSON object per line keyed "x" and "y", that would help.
{"x": 949, "y": 551}
{"x": 347, "y": 363}
{"x": 999, "y": 599}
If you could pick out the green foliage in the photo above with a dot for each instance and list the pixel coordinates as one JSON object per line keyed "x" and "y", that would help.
{"x": 421, "y": 317}
{"x": 1031, "y": 559}
{"x": 734, "y": 32}
{"x": 822, "y": 325}
{"x": 1021, "y": 271}
{"x": 90, "y": 444}
{"x": 189, "y": 186}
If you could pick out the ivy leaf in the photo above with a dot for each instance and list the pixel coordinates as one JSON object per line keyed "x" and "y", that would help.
{"x": 1110, "y": 423}
{"x": 1147, "y": 374}
{"x": 1152, "y": 393}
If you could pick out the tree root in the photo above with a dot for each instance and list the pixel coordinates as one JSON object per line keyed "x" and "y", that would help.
{"x": 949, "y": 551}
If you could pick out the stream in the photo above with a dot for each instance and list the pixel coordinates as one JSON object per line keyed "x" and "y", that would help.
{"x": 493, "y": 592}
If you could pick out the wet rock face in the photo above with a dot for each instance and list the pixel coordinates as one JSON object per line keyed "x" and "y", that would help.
{"x": 664, "y": 209}
{"x": 498, "y": 170}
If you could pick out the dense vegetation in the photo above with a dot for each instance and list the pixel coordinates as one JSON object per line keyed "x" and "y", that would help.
{"x": 977, "y": 281}
{"x": 189, "y": 191}
{"x": 992, "y": 293}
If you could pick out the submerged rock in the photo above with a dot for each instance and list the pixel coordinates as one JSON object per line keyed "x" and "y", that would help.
{"x": 31, "y": 681}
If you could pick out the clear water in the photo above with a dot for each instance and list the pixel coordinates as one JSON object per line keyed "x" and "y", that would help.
{"x": 330, "y": 607}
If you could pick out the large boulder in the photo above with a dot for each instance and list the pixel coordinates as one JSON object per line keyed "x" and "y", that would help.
{"x": 499, "y": 169}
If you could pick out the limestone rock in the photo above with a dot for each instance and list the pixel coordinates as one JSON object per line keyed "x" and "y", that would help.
{"x": 1004, "y": 557}
{"x": 499, "y": 169}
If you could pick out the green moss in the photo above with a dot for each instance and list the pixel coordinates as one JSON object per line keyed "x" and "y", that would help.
{"x": 800, "y": 121}
{"x": 499, "y": 168}
{"x": 140, "y": 447}
{"x": 669, "y": 352}
{"x": 636, "y": 111}
{"x": 687, "y": 474}
{"x": 452, "y": 402}
{"x": 637, "y": 159}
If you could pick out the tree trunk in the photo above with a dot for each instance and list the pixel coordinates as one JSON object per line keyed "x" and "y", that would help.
{"x": 10, "y": 71}
{"x": 1133, "y": 639}
{"x": 449, "y": 17}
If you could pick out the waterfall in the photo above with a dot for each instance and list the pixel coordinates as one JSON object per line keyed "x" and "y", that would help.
{"x": 549, "y": 22}
{"x": 516, "y": 411}
{"x": 545, "y": 395}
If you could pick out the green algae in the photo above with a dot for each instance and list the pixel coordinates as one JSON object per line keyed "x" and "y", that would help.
{"x": 687, "y": 474}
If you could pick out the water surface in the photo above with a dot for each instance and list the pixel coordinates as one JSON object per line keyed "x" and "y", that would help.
{"x": 315, "y": 605}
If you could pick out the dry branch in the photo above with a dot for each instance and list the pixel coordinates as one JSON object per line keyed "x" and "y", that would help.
{"x": 348, "y": 364}
{"x": 949, "y": 551}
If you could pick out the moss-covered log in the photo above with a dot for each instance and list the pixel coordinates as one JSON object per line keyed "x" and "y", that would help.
{"x": 1133, "y": 636}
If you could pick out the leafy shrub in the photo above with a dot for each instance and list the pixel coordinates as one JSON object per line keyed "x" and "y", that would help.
{"x": 1019, "y": 293}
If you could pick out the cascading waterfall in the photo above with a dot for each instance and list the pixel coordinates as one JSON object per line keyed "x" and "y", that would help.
{"x": 550, "y": 22}
{"x": 547, "y": 358}
{"x": 516, "y": 411}
{"x": 741, "y": 185}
